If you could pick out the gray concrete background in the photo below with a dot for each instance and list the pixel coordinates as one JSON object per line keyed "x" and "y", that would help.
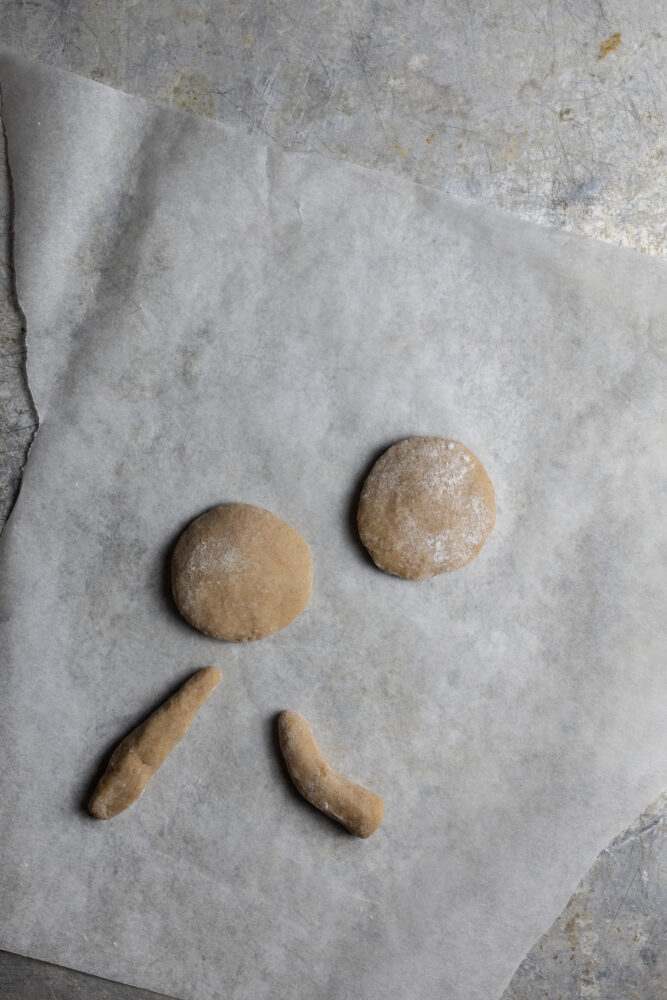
{"x": 554, "y": 110}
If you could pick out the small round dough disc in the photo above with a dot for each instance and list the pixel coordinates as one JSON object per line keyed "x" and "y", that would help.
{"x": 427, "y": 507}
{"x": 238, "y": 572}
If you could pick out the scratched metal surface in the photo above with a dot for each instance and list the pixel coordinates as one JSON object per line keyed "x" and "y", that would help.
{"x": 610, "y": 941}
{"x": 554, "y": 110}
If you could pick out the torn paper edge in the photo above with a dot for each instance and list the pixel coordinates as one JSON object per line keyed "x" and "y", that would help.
{"x": 18, "y": 455}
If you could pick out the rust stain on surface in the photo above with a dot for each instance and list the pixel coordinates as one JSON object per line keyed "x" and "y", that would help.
{"x": 609, "y": 45}
{"x": 571, "y": 929}
{"x": 431, "y": 137}
{"x": 193, "y": 92}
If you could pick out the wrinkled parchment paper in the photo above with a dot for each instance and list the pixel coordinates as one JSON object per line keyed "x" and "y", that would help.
{"x": 211, "y": 319}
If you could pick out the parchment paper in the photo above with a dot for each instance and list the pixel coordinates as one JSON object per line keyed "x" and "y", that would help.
{"x": 211, "y": 319}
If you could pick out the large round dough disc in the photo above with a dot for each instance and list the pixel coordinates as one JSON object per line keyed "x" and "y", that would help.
{"x": 238, "y": 572}
{"x": 426, "y": 507}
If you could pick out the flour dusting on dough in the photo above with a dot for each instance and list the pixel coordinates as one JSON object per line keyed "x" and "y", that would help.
{"x": 427, "y": 507}
{"x": 240, "y": 573}
{"x": 210, "y": 559}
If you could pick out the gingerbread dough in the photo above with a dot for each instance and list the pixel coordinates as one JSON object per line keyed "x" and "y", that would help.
{"x": 136, "y": 759}
{"x": 358, "y": 809}
{"x": 239, "y": 573}
{"x": 427, "y": 507}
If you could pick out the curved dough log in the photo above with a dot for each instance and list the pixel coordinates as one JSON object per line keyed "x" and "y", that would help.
{"x": 359, "y": 810}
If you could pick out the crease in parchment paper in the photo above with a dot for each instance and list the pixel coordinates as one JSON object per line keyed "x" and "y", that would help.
{"x": 24, "y": 436}
{"x": 254, "y": 332}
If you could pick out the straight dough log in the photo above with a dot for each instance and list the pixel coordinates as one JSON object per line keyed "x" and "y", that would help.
{"x": 134, "y": 761}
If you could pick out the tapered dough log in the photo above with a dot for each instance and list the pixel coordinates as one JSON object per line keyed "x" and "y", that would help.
{"x": 135, "y": 760}
{"x": 358, "y": 809}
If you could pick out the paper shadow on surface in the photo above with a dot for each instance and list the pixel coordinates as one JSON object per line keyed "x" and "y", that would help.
{"x": 353, "y": 501}
{"x": 83, "y": 796}
{"x": 280, "y": 770}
